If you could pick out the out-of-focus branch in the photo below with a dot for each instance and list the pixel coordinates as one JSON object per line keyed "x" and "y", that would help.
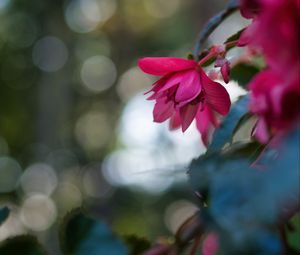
{"x": 212, "y": 24}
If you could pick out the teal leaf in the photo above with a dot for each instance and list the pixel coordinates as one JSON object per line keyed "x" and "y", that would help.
{"x": 224, "y": 133}
{"x": 4, "y": 213}
{"x": 235, "y": 36}
{"x": 245, "y": 204}
{"x": 82, "y": 235}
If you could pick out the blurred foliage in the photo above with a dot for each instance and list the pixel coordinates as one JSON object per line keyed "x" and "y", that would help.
{"x": 60, "y": 108}
{"x": 242, "y": 73}
{"x": 26, "y": 245}
{"x": 81, "y": 235}
{"x": 246, "y": 205}
{"x": 60, "y": 121}
{"x": 225, "y": 132}
{"x": 293, "y": 232}
{"x": 4, "y": 212}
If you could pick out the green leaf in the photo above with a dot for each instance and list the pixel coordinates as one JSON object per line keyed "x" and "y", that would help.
{"x": 250, "y": 150}
{"x": 235, "y": 36}
{"x": 243, "y": 73}
{"x": 293, "y": 235}
{"x": 82, "y": 235}
{"x": 224, "y": 133}
{"x": 4, "y": 213}
{"x": 23, "y": 245}
{"x": 137, "y": 245}
{"x": 190, "y": 56}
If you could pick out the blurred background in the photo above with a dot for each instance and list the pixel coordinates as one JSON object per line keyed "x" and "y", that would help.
{"x": 75, "y": 128}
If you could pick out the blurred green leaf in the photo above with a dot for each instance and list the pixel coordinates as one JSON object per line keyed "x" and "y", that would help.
{"x": 250, "y": 150}
{"x": 81, "y": 235}
{"x": 243, "y": 73}
{"x": 4, "y": 212}
{"x": 137, "y": 245}
{"x": 235, "y": 36}
{"x": 21, "y": 245}
{"x": 293, "y": 235}
{"x": 224, "y": 133}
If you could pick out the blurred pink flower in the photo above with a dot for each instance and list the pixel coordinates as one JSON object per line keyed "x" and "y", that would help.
{"x": 275, "y": 30}
{"x": 184, "y": 93}
{"x": 275, "y": 102}
{"x": 275, "y": 97}
{"x": 210, "y": 245}
{"x": 250, "y": 8}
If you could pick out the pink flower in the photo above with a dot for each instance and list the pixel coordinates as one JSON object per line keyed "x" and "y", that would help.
{"x": 250, "y": 8}
{"x": 184, "y": 93}
{"x": 275, "y": 102}
{"x": 275, "y": 30}
{"x": 210, "y": 245}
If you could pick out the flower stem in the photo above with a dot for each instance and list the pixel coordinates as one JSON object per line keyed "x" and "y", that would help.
{"x": 213, "y": 54}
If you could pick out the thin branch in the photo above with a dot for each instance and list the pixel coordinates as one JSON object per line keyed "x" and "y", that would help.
{"x": 212, "y": 24}
{"x": 195, "y": 246}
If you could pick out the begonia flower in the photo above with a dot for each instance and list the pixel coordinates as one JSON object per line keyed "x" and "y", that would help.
{"x": 275, "y": 30}
{"x": 275, "y": 103}
{"x": 184, "y": 93}
{"x": 250, "y": 8}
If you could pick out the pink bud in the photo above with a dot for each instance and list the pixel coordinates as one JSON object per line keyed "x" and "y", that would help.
{"x": 218, "y": 49}
{"x": 225, "y": 71}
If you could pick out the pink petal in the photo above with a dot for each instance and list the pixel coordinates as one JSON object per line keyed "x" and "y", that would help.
{"x": 189, "y": 88}
{"x": 187, "y": 115}
{"x": 216, "y": 95}
{"x": 162, "y": 65}
{"x": 276, "y": 95}
{"x": 175, "y": 121}
{"x": 210, "y": 245}
{"x": 163, "y": 110}
{"x": 173, "y": 80}
{"x": 247, "y": 35}
{"x": 261, "y": 131}
{"x": 156, "y": 87}
{"x": 206, "y": 121}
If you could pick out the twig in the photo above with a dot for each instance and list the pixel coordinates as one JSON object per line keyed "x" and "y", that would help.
{"x": 195, "y": 246}
{"x": 212, "y": 24}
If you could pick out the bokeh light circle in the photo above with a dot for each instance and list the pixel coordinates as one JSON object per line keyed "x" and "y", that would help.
{"x": 98, "y": 73}
{"x": 161, "y": 8}
{"x": 83, "y": 16}
{"x": 50, "y": 54}
{"x": 67, "y": 197}
{"x": 92, "y": 130}
{"x": 38, "y": 212}
{"x": 39, "y": 178}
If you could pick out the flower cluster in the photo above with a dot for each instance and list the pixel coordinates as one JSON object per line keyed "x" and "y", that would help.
{"x": 275, "y": 97}
{"x": 184, "y": 92}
